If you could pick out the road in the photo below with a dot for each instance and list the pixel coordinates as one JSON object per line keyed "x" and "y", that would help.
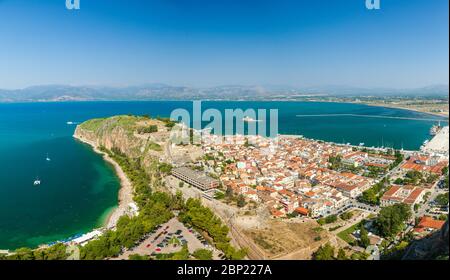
{"x": 435, "y": 191}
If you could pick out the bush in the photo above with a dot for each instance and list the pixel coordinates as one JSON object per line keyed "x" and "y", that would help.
{"x": 325, "y": 252}
{"x": 148, "y": 129}
{"x": 346, "y": 216}
{"x": 327, "y": 220}
{"x": 202, "y": 254}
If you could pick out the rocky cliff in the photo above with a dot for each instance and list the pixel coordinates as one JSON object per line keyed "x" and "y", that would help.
{"x": 435, "y": 246}
{"x": 128, "y": 135}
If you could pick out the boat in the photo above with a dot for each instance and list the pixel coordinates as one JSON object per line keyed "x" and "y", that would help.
{"x": 37, "y": 182}
{"x": 249, "y": 119}
{"x": 435, "y": 129}
{"x": 47, "y": 158}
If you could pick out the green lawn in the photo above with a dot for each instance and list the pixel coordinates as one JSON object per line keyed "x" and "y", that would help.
{"x": 346, "y": 234}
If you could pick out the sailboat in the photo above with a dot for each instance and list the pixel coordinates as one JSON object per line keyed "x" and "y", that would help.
{"x": 47, "y": 158}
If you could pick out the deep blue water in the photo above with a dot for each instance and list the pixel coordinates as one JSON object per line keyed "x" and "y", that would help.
{"x": 78, "y": 188}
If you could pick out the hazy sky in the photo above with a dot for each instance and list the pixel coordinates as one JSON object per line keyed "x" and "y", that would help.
{"x": 215, "y": 42}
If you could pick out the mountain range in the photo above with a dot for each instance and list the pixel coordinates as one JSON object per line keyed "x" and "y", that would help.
{"x": 158, "y": 91}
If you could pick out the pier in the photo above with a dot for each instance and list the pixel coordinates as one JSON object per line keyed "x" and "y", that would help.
{"x": 439, "y": 143}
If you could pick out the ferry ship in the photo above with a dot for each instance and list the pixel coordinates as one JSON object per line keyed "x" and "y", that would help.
{"x": 435, "y": 129}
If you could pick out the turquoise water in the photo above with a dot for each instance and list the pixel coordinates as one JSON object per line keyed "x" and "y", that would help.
{"x": 78, "y": 188}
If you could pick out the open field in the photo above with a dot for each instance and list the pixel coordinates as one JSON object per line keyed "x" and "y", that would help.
{"x": 280, "y": 238}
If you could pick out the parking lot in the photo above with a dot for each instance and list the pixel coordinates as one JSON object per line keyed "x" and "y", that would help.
{"x": 169, "y": 238}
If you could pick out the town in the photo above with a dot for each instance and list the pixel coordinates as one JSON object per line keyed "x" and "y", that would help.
{"x": 342, "y": 187}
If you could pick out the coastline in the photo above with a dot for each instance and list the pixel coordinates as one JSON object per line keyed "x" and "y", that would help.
{"x": 125, "y": 195}
{"x": 442, "y": 115}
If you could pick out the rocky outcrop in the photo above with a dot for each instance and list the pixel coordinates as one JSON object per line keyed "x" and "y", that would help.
{"x": 124, "y": 134}
{"x": 120, "y": 134}
{"x": 433, "y": 247}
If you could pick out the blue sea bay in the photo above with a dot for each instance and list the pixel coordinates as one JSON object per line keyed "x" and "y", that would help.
{"x": 78, "y": 188}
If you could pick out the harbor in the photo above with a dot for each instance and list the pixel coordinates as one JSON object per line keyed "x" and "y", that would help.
{"x": 439, "y": 144}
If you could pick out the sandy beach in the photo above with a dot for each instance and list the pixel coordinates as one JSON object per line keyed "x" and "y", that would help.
{"x": 125, "y": 192}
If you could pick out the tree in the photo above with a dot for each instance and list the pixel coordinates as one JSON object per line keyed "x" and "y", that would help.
{"x": 327, "y": 220}
{"x": 364, "y": 240}
{"x": 413, "y": 177}
{"x": 398, "y": 181}
{"x": 229, "y": 192}
{"x": 443, "y": 217}
{"x": 335, "y": 162}
{"x": 202, "y": 254}
{"x": 219, "y": 195}
{"x": 183, "y": 254}
{"x": 241, "y": 201}
{"x": 372, "y": 195}
{"x": 137, "y": 257}
{"x": 55, "y": 252}
{"x": 391, "y": 219}
{"x": 177, "y": 201}
{"x": 359, "y": 256}
{"x": 346, "y": 215}
{"x": 342, "y": 256}
{"x": 398, "y": 159}
{"x": 432, "y": 178}
{"x": 181, "y": 184}
{"x": 203, "y": 219}
{"x": 442, "y": 199}
{"x": 165, "y": 168}
{"x": 325, "y": 252}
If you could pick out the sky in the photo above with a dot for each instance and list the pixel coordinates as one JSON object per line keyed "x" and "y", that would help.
{"x": 404, "y": 44}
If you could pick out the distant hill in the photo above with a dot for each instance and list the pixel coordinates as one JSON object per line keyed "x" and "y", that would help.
{"x": 435, "y": 90}
{"x": 226, "y": 92}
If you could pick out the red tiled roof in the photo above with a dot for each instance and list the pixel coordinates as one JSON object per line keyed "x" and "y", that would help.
{"x": 391, "y": 191}
{"x": 276, "y": 213}
{"x": 428, "y": 222}
{"x": 302, "y": 211}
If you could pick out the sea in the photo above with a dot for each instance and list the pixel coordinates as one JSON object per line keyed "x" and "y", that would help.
{"x": 79, "y": 189}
